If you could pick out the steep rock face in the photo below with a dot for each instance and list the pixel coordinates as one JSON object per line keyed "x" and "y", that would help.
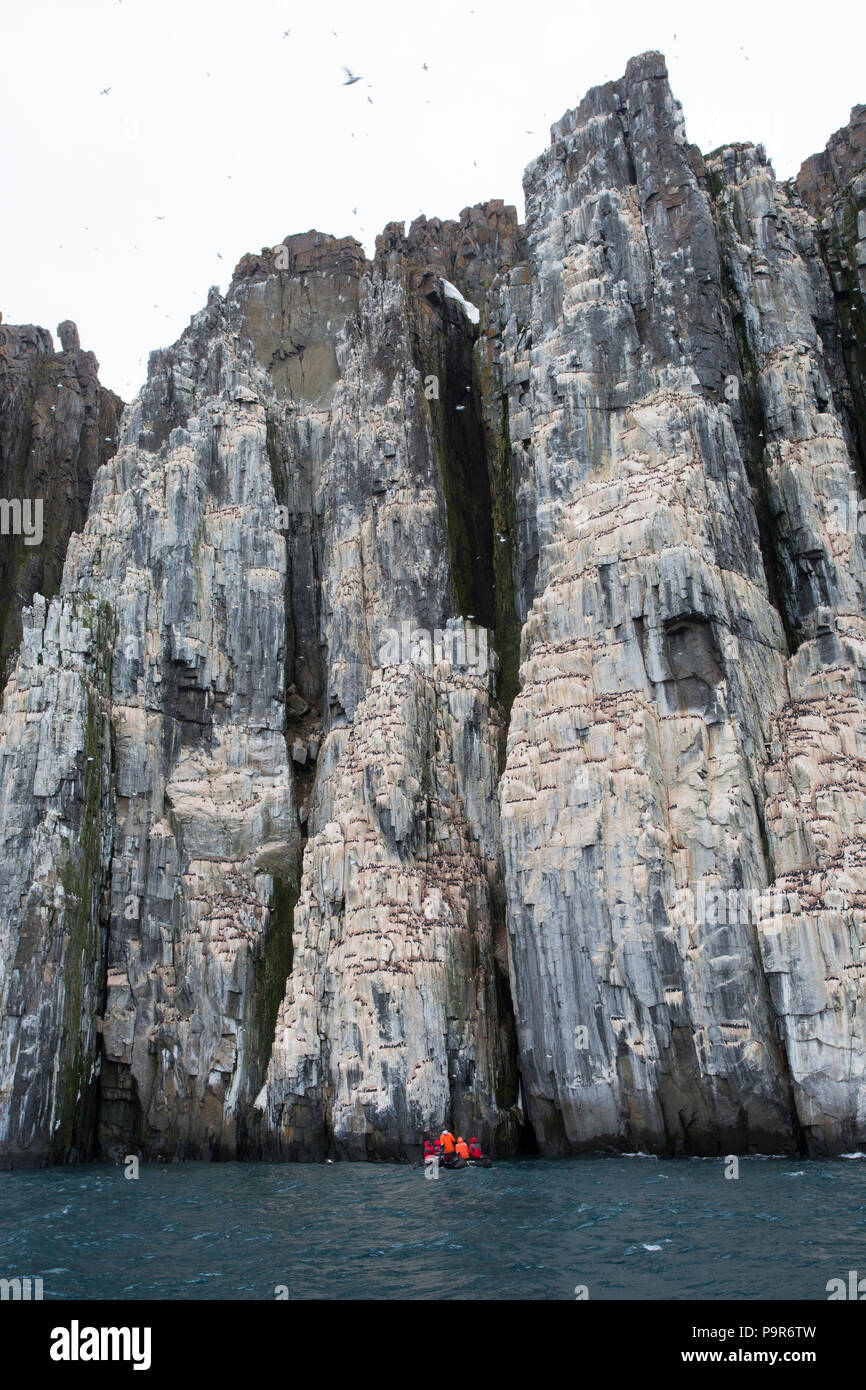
{"x": 646, "y": 654}
{"x": 393, "y": 1016}
{"x": 453, "y": 707}
{"x": 57, "y": 426}
{"x": 680, "y": 393}
{"x": 825, "y": 177}
{"x": 55, "y": 803}
{"x": 832, "y": 185}
{"x": 165, "y": 787}
{"x": 266, "y": 543}
{"x": 813, "y": 955}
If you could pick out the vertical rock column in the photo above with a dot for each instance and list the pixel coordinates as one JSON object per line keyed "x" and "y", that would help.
{"x": 648, "y": 655}
{"x": 395, "y": 1016}
{"x": 55, "y": 846}
{"x": 804, "y": 443}
{"x": 159, "y": 667}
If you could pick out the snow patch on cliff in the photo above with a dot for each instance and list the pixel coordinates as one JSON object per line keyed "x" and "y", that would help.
{"x": 452, "y": 292}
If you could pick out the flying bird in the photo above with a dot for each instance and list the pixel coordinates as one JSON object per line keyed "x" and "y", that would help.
{"x": 424, "y": 66}
{"x": 354, "y": 212}
{"x": 160, "y": 219}
{"x": 104, "y": 91}
{"x": 219, "y": 255}
{"x": 370, "y": 99}
{"x": 286, "y": 33}
{"x": 350, "y": 77}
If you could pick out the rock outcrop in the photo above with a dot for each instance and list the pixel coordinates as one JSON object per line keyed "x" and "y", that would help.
{"x": 58, "y": 425}
{"x": 453, "y": 705}
{"x": 832, "y": 185}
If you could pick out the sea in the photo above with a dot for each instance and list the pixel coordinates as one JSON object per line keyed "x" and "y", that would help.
{"x": 529, "y": 1228}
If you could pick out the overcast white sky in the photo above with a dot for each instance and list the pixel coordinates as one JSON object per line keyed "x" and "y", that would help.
{"x": 235, "y": 136}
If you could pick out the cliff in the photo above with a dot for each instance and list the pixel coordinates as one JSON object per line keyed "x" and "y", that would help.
{"x": 453, "y": 705}
{"x": 58, "y": 425}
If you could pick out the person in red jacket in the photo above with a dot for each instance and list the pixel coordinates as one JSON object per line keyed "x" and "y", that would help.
{"x": 474, "y": 1149}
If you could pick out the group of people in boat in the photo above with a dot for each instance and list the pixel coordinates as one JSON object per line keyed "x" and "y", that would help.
{"x": 453, "y": 1153}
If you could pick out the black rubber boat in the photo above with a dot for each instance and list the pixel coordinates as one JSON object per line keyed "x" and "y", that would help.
{"x": 457, "y": 1164}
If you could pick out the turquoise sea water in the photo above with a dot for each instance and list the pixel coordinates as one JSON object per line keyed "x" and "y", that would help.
{"x": 528, "y": 1228}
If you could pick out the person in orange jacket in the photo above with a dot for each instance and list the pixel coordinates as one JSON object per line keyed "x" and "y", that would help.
{"x": 462, "y": 1148}
{"x": 446, "y": 1139}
